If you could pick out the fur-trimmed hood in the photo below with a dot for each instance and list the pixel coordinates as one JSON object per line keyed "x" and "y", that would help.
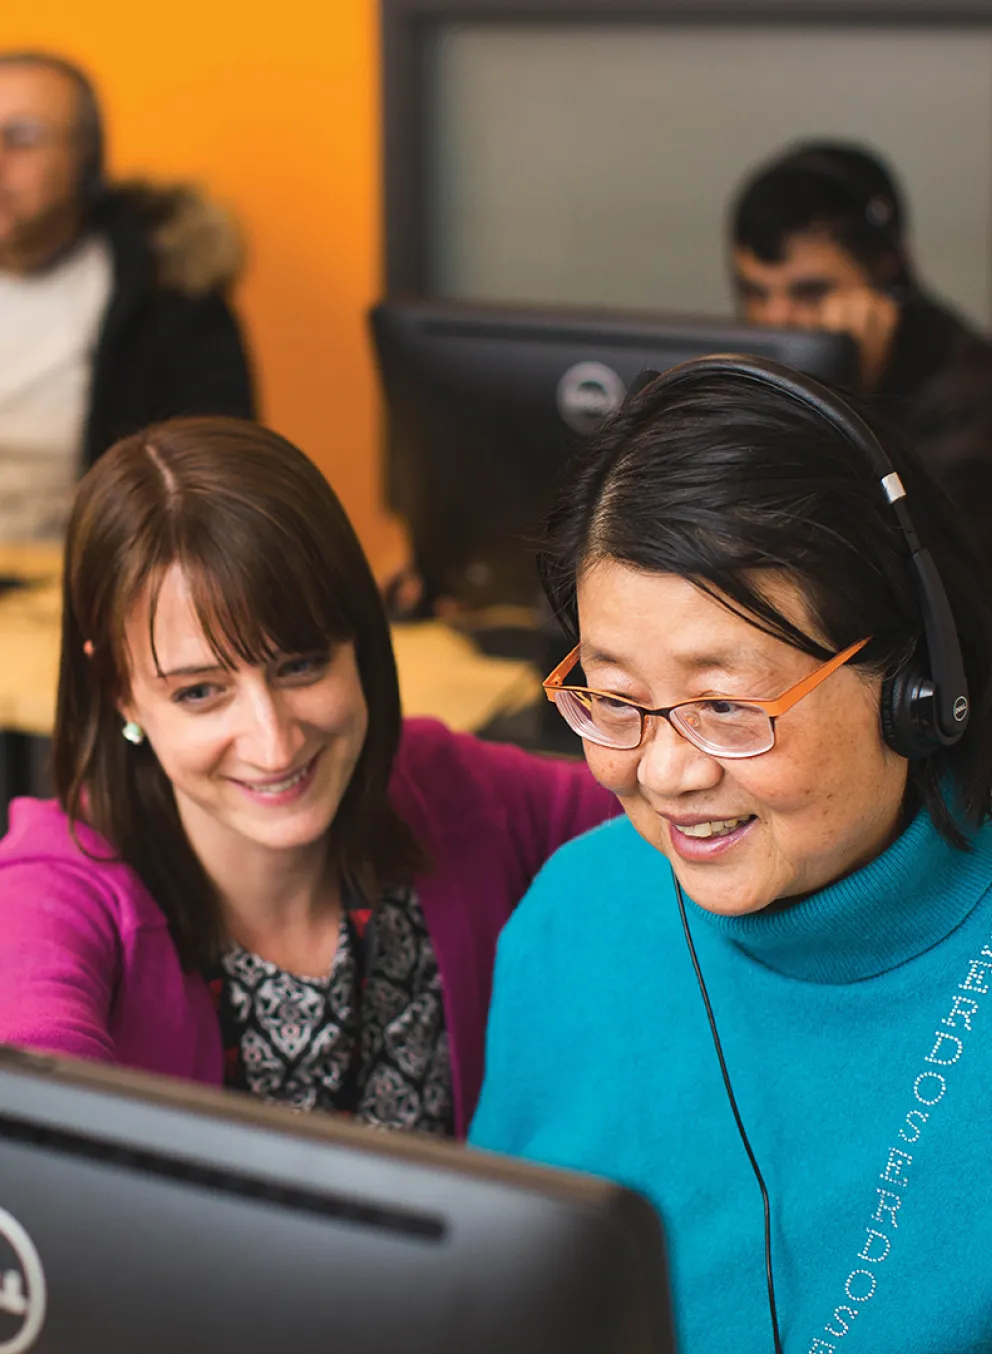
{"x": 196, "y": 244}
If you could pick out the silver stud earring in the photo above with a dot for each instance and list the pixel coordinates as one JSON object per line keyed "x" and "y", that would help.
{"x": 134, "y": 733}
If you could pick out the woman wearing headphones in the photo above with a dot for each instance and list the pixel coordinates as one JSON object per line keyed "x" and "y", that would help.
{"x": 255, "y": 872}
{"x": 769, "y": 985}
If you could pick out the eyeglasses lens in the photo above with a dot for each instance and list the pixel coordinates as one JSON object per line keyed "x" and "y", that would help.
{"x": 611, "y": 724}
{"x": 724, "y": 727}
{"x": 718, "y": 727}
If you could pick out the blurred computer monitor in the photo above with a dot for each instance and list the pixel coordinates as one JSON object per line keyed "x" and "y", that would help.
{"x": 141, "y": 1214}
{"x": 485, "y": 406}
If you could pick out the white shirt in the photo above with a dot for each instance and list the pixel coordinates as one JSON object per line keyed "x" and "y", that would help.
{"x": 50, "y": 324}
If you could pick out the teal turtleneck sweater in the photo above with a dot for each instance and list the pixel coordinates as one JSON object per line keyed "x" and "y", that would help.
{"x": 857, "y": 1027}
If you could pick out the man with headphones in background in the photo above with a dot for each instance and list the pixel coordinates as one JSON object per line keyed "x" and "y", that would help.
{"x": 112, "y": 299}
{"x": 819, "y": 241}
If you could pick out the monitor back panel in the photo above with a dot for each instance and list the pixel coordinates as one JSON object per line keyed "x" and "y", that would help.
{"x": 487, "y": 409}
{"x": 131, "y": 1225}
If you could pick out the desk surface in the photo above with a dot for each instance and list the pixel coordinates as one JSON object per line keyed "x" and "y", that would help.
{"x": 441, "y": 673}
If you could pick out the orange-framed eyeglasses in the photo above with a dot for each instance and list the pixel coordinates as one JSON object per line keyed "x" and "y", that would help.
{"x": 721, "y": 726}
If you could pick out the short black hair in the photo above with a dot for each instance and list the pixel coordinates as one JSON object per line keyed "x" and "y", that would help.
{"x": 89, "y": 119}
{"x": 721, "y": 481}
{"x": 844, "y": 190}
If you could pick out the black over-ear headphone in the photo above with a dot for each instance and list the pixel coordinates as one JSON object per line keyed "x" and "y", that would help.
{"x": 877, "y": 203}
{"x": 924, "y": 706}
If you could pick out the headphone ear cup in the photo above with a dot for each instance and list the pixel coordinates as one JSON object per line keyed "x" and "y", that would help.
{"x": 907, "y": 726}
{"x": 891, "y": 695}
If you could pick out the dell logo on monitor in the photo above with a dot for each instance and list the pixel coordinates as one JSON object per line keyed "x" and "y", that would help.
{"x": 22, "y": 1288}
{"x": 588, "y": 393}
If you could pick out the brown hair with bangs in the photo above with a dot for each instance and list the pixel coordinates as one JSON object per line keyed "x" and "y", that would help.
{"x": 273, "y": 566}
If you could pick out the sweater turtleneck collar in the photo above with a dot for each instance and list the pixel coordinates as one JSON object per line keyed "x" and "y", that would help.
{"x": 906, "y": 901}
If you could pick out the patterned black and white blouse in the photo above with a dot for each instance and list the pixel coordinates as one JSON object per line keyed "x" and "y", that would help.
{"x": 376, "y": 1048}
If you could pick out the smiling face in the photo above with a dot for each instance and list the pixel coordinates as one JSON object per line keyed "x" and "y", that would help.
{"x": 740, "y": 834}
{"x": 258, "y": 756}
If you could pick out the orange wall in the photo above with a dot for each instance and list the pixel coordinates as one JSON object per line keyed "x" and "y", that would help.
{"x": 274, "y": 108}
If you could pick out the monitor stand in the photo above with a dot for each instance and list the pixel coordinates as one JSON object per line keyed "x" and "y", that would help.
{"x": 537, "y": 727}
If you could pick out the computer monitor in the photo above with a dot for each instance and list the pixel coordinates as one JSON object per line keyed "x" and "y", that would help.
{"x": 141, "y": 1214}
{"x": 485, "y": 405}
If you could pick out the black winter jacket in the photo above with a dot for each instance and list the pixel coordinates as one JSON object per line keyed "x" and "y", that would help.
{"x": 938, "y": 389}
{"x": 170, "y": 344}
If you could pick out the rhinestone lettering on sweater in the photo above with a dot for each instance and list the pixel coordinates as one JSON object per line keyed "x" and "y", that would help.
{"x": 929, "y": 1089}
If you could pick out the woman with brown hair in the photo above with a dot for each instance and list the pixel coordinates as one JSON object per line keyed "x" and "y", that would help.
{"x": 256, "y": 871}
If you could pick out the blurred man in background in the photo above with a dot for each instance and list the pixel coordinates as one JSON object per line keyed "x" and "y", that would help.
{"x": 819, "y": 240}
{"x": 112, "y": 298}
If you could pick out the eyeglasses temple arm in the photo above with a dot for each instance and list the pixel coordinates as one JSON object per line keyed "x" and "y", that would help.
{"x": 556, "y": 679}
{"x": 795, "y": 693}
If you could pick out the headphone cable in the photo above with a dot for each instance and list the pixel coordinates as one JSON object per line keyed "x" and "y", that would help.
{"x": 772, "y": 1309}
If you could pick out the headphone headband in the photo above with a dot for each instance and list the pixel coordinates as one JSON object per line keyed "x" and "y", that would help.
{"x": 876, "y": 202}
{"x": 947, "y": 686}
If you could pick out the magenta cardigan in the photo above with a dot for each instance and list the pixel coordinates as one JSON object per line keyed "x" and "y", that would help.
{"x": 88, "y": 968}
